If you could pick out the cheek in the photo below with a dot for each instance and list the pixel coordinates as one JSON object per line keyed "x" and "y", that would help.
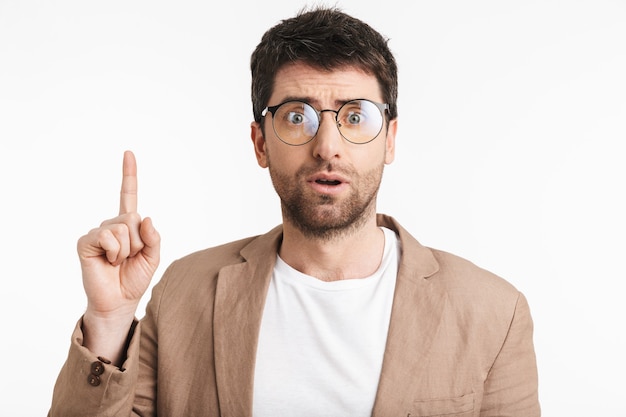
{"x": 372, "y": 157}
{"x": 278, "y": 157}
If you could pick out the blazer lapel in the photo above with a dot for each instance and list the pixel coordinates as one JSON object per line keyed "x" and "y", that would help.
{"x": 239, "y": 302}
{"x": 415, "y": 317}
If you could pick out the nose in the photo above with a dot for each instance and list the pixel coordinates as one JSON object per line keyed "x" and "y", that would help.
{"x": 328, "y": 141}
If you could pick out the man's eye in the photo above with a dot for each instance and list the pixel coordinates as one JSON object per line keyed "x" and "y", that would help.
{"x": 295, "y": 118}
{"x": 354, "y": 118}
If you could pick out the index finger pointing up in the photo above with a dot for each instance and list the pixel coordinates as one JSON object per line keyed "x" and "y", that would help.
{"x": 128, "y": 194}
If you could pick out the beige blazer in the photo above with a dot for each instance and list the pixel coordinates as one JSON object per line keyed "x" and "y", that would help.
{"x": 459, "y": 343}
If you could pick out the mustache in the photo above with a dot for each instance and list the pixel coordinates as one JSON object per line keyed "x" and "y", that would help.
{"x": 326, "y": 166}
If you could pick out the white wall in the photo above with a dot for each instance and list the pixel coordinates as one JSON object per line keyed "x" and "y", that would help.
{"x": 509, "y": 154}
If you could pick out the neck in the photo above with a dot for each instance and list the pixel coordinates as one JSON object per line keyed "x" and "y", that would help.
{"x": 354, "y": 254}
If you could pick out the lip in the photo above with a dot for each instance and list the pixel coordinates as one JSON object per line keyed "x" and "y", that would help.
{"x": 325, "y": 187}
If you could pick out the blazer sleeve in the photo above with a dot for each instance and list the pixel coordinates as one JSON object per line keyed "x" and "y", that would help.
{"x": 88, "y": 386}
{"x": 511, "y": 387}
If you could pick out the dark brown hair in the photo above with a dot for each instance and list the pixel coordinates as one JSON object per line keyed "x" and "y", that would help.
{"x": 325, "y": 38}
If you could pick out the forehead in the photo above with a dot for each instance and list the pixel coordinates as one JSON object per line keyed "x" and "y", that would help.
{"x": 323, "y": 87}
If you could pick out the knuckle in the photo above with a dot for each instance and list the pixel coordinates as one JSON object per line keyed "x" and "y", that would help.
{"x": 134, "y": 218}
{"x": 121, "y": 229}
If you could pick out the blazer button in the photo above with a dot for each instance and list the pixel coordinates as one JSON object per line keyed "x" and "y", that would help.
{"x": 94, "y": 380}
{"x": 97, "y": 368}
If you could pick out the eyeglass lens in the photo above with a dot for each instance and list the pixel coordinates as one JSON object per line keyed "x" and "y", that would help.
{"x": 296, "y": 122}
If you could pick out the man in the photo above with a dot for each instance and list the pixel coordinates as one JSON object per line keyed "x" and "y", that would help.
{"x": 336, "y": 312}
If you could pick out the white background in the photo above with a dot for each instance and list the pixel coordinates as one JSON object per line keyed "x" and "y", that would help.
{"x": 509, "y": 153}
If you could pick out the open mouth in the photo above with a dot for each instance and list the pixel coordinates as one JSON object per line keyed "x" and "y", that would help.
{"x": 328, "y": 182}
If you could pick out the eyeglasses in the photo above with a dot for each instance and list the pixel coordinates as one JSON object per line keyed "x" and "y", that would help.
{"x": 296, "y": 122}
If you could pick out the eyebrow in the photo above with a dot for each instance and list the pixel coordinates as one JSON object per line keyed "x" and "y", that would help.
{"x": 313, "y": 102}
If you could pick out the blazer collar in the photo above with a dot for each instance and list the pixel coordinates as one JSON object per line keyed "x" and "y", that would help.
{"x": 240, "y": 299}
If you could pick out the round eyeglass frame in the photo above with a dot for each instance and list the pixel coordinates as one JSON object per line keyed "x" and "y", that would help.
{"x": 382, "y": 107}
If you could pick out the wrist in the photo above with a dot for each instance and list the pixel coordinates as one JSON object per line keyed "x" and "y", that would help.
{"x": 108, "y": 336}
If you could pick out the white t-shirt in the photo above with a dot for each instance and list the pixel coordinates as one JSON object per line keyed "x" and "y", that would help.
{"x": 321, "y": 344}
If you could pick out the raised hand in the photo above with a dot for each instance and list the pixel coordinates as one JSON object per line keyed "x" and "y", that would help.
{"x": 118, "y": 260}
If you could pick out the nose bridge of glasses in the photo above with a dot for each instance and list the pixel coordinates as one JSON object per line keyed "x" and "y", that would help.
{"x": 319, "y": 114}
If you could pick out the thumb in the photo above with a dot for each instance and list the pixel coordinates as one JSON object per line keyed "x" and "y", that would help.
{"x": 151, "y": 240}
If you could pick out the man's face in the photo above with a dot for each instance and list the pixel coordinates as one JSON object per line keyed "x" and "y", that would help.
{"x": 327, "y": 186}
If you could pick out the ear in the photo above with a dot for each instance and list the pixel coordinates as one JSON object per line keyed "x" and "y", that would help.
{"x": 258, "y": 140}
{"x": 390, "y": 141}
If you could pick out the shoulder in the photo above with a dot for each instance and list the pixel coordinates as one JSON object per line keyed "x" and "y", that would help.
{"x": 467, "y": 286}
{"x": 475, "y": 296}
{"x": 205, "y": 264}
{"x": 212, "y": 258}
{"x": 202, "y": 267}
{"x": 196, "y": 273}
{"x": 441, "y": 267}
{"x": 461, "y": 275}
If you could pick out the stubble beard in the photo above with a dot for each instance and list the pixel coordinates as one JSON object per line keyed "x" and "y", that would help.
{"x": 323, "y": 216}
